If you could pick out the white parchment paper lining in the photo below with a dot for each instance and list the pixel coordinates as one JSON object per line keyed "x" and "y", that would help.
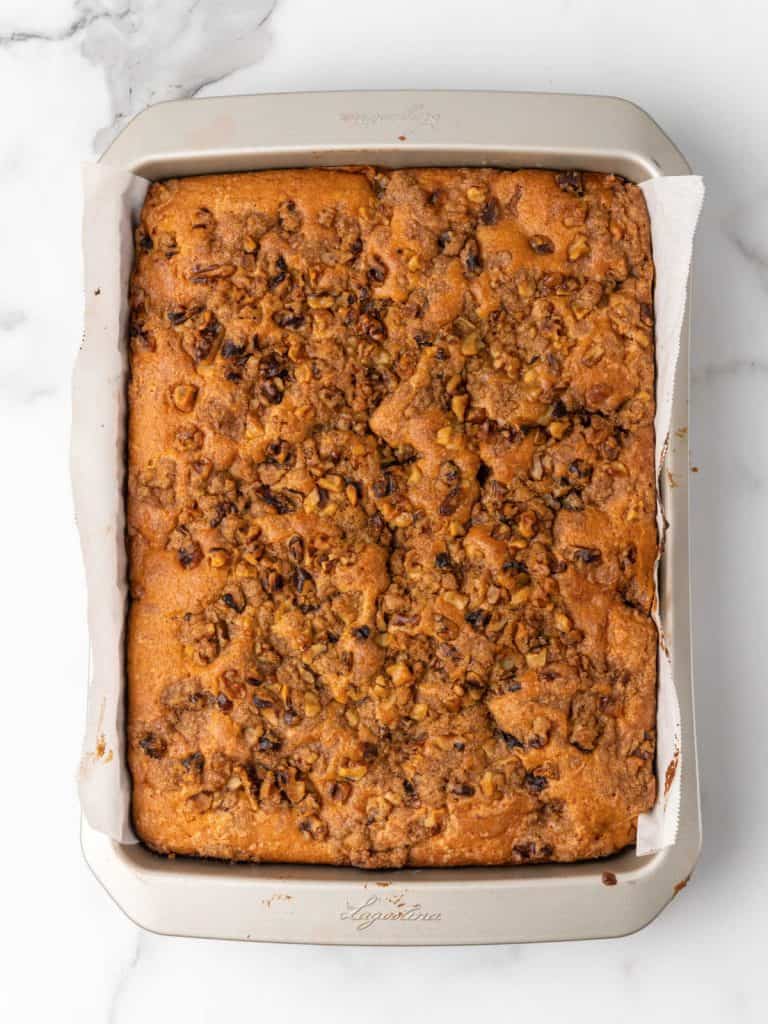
{"x": 112, "y": 202}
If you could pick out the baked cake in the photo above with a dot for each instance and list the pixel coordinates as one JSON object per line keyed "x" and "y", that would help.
{"x": 391, "y": 517}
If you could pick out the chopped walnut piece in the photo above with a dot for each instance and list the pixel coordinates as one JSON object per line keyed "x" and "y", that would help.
{"x": 579, "y": 247}
{"x": 153, "y": 745}
{"x": 585, "y": 722}
{"x": 541, "y": 244}
{"x": 184, "y": 397}
{"x": 571, "y": 181}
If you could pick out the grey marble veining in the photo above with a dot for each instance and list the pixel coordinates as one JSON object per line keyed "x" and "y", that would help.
{"x": 151, "y": 52}
{"x": 125, "y": 979}
{"x": 11, "y": 318}
{"x": 194, "y": 44}
{"x": 747, "y": 229}
{"x": 729, "y": 368}
{"x": 81, "y": 22}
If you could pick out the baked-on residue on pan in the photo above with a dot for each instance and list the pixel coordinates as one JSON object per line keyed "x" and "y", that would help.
{"x": 391, "y": 516}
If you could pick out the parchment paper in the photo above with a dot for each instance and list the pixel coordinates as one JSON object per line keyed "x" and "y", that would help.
{"x": 112, "y": 201}
{"x": 674, "y": 205}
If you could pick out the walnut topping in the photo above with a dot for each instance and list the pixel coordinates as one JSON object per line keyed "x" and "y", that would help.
{"x": 190, "y": 555}
{"x": 459, "y": 405}
{"x": 490, "y": 212}
{"x": 219, "y": 558}
{"x": 180, "y": 316}
{"x": 312, "y": 706}
{"x": 471, "y": 258}
{"x": 153, "y": 745}
{"x": 585, "y": 723}
{"x": 579, "y": 247}
{"x": 157, "y": 484}
{"x": 184, "y": 397}
{"x": 212, "y": 272}
{"x": 189, "y": 438}
{"x": 541, "y": 244}
{"x": 194, "y": 763}
{"x": 313, "y": 827}
{"x": 571, "y": 181}
{"x": 391, "y": 508}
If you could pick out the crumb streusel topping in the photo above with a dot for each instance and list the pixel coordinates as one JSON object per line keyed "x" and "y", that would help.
{"x": 391, "y": 516}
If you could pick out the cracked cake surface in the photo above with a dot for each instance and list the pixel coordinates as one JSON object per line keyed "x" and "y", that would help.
{"x": 391, "y": 516}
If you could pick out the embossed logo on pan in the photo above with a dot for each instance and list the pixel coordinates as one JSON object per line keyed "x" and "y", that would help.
{"x": 375, "y": 909}
{"x": 416, "y": 113}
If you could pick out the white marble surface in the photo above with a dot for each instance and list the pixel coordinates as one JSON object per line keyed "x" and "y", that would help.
{"x": 70, "y": 74}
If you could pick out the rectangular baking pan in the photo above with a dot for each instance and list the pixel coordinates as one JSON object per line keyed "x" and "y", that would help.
{"x": 284, "y": 903}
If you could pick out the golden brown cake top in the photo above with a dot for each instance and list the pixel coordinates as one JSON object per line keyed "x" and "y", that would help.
{"x": 391, "y": 516}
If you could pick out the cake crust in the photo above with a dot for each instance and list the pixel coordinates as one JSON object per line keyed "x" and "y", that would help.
{"x": 391, "y": 517}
